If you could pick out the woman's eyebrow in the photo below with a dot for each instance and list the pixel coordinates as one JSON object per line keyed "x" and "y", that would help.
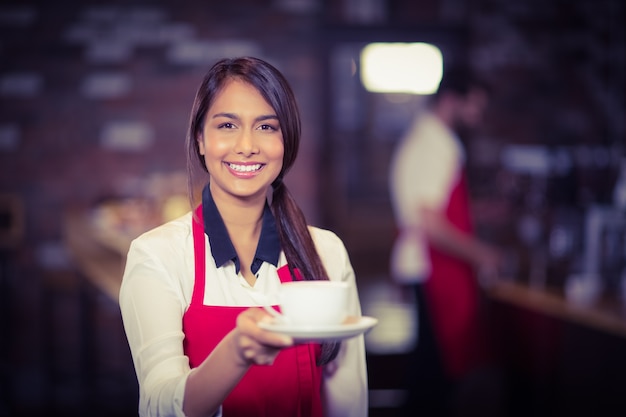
{"x": 227, "y": 115}
{"x": 266, "y": 117}
{"x": 234, "y": 116}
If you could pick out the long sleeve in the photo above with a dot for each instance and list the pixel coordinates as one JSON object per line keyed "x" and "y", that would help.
{"x": 152, "y": 303}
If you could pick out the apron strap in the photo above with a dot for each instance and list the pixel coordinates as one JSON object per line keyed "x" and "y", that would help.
{"x": 199, "y": 256}
{"x": 285, "y": 275}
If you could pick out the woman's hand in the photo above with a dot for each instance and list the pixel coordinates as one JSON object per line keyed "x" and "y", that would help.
{"x": 254, "y": 344}
{"x": 247, "y": 344}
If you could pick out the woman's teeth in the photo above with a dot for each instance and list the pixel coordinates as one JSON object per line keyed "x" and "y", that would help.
{"x": 245, "y": 168}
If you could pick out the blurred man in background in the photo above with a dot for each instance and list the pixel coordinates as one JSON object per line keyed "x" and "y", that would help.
{"x": 436, "y": 253}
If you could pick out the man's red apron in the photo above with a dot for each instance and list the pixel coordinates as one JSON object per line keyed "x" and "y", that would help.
{"x": 291, "y": 386}
{"x": 452, "y": 297}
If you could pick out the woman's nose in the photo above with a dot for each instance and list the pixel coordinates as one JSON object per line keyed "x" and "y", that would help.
{"x": 246, "y": 144}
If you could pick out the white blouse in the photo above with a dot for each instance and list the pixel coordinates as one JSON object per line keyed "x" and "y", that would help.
{"x": 424, "y": 168}
{"x": 156, "y": 291}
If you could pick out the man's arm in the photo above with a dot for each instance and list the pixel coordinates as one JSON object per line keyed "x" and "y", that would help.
{"x": 442, "y": 234}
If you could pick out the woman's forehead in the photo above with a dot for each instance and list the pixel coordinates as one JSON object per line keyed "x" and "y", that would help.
{"x": 238, "y": 95}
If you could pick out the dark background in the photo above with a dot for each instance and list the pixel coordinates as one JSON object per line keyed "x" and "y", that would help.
{"x": 557, "y": 71}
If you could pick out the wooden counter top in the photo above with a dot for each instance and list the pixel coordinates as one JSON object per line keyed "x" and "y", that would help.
{"x": 604, "y": 314}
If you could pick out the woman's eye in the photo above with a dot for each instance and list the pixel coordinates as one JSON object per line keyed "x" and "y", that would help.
{"x": 267, "y": 127}
{"x": 226, "y": 125}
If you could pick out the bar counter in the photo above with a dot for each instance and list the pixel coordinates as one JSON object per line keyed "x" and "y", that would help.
{"x": 100, "y": 254}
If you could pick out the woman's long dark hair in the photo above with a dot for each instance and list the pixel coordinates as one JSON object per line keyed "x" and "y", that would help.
{"x": 295, "y": 239}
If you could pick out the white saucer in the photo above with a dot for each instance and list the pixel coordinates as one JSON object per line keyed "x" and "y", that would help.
{"x": 353, "y": 326}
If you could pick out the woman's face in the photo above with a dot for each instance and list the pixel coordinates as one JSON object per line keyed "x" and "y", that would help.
{"x": 241, "y": 142}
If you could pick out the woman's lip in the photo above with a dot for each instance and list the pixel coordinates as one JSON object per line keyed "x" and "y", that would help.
{"x": 245, "y": 169}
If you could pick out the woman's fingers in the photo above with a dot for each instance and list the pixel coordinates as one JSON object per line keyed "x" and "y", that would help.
{"x": 256, "y": 345}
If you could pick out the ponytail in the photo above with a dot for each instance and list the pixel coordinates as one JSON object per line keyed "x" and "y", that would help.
{"x": 299, "y": 248}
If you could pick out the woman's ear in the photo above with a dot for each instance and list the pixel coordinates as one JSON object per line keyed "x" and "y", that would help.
{"x": 200, "y": 142}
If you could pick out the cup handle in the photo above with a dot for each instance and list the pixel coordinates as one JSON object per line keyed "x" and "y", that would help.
{"x": 275, "y": 313}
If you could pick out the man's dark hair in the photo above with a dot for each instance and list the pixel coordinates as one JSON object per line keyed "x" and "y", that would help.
{"x": 460, "y": 80}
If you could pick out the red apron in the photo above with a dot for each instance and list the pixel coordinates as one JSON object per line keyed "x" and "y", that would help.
{"x": 291, "y": 386}
{"x": 452, "y": 297}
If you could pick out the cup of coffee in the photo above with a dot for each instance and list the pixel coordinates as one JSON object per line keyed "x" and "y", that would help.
{"x": 313, "y": 303}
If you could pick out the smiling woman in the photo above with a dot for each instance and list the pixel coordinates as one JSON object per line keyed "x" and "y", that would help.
{"x": 241, "y": 142}
{"x": 193, "y": 288}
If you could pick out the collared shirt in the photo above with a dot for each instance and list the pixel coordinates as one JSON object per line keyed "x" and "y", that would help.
{"x": 222, "y": 249}
{"x": 156, "y": 290}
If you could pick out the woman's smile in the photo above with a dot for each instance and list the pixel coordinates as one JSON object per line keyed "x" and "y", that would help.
{"x": 245, "y": 169}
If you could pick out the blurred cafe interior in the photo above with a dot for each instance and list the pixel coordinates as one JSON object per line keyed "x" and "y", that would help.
{"x": 94, "y": 103}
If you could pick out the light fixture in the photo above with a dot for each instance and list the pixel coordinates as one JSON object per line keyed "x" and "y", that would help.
{"x": 414, "y": 68}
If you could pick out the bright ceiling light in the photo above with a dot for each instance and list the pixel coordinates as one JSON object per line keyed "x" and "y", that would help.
{"x": 401, "y": 67}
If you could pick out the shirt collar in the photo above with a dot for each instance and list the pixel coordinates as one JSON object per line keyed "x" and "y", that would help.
{"x": 222, "y": 249}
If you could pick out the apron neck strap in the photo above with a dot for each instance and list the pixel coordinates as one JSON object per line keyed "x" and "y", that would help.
{"x": 199, "y": 256}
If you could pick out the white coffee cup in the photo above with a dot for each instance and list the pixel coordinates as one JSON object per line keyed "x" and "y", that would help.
{"x": 312, "y": 303}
